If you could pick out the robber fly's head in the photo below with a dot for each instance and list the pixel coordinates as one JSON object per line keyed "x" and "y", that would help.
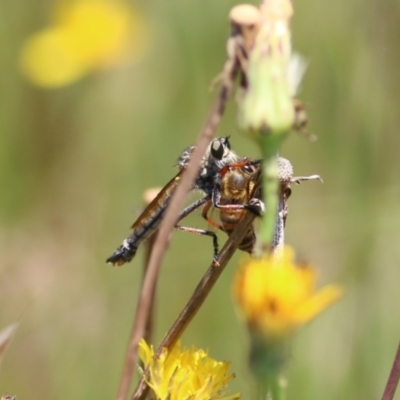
{"x": 220, "y": 147}
{"x": 219, "y": 154}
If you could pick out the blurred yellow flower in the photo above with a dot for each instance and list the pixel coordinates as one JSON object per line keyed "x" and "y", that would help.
{"x": 85, "y": 35}
{"x": 276, "y": 296}
{"x": 185, "y": 374}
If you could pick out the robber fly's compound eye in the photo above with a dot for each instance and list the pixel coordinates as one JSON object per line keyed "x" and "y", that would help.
{"x": 217, "y": 149}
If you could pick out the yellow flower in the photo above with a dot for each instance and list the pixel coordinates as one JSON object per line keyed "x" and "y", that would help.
{"x": 85, "y": 35}
{"x": 276, "y": 296}
{"x": 185, "y": 374}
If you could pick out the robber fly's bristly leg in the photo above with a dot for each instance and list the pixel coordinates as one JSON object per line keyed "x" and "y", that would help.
{"x": 256, "y": 206}
{"x": 212, "y": 222}
{"x": 203, "y": 232}
{"x": 192, "y": 207}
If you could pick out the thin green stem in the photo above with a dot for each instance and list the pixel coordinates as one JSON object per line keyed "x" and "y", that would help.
{"x": 261, "y": 390}
{"x": 267, "y": 362}
{"x": 270, "y": 145}
{"x": 270, "y": 188}
{"x": 270, "y": 385}
{"x": 277, "y": 388}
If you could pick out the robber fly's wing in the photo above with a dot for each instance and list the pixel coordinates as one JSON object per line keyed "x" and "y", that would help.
{"x": 153, "y": 213}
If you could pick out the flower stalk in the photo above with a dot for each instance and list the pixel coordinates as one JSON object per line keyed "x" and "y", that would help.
{"x": 270, "y": 183}
{"x": 267, "y": 364}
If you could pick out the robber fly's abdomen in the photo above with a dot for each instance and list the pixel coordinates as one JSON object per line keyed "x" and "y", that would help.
{"x": 145, "y": 225}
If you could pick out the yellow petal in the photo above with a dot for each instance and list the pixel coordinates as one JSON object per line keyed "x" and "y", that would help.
{"x": 275, "y": 296}
{"x": 188, "y": 374}
{"x": 317, "y": 303}
{"x": 146, "y": 353}
{"x": 48, "y": 62}
{"x": 97, "y": 30}
{"x": 86, "y": 35}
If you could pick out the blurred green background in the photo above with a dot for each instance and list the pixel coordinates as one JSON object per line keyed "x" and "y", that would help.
{"x": 75, "y": 163}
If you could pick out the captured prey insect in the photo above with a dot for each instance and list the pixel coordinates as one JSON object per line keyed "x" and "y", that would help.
{"x": 239, "y": 189}
{"x": 218, "y": 155}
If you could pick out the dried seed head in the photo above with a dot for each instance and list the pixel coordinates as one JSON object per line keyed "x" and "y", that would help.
{"x": 285, "y": 170}
{"x": 245, "y": 15}
{"x": 245, "y": 22}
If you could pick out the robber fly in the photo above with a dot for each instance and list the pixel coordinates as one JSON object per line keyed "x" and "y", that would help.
{"x": 239, "y": 189}
{"x": 218, "y": 154}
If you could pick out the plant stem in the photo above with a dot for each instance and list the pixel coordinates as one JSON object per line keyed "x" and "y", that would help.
{"x": 393, "y": 379}
{"x": 267, "y": 362}
{"x": 276, "y": 387}
{"x": 199, "y": 296}
{"x": 143, "y": 308}
{"x": 270, "y": 144}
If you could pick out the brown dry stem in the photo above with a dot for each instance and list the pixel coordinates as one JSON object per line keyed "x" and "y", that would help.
{"x": 162, "y": 239}
{"x": 393, "y": 379}
{"x": 200, "y": 294}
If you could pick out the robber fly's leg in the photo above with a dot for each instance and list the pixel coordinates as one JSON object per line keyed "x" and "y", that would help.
{"x": 190, "y": 209}
{"x": 255, "y": 206}
{"x": 203, "y": 232}
{"x": 212, "y": 222}
{"x": 194, "y": 206}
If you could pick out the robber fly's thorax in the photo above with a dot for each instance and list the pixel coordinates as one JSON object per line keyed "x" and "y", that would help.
{"x": 218, "y": 155}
